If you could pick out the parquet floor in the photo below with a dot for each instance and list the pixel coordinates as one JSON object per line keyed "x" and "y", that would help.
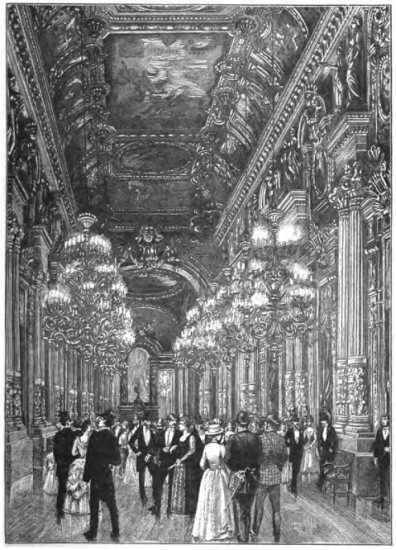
{"x": 309, "y": 519}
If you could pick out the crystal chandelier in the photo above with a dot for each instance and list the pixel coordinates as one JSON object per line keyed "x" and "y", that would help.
{"x": 85, "y": 309}
{"x": 270, "y": 299}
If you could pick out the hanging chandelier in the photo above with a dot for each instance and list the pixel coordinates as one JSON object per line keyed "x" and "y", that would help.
{"x": 269, "y": 299}
{"x": 85, "y": 308}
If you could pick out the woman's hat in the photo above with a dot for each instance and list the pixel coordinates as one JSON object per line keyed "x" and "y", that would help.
{"x": 214, "y": 429}
{"x": 108, "y": 416}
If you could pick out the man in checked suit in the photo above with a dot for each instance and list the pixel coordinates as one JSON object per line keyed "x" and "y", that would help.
{"x": 243, "y": 452}
{"x": 142, "y": 443}
{"x": 274, "y": 455}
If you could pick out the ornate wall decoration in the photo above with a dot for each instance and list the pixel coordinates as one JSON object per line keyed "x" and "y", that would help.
{"x": 379, "y": 183}
{"x": 300, "y": 393}
{"x": 379, "y": 68}
{"x": 342, "y": 397}
{"x": 357, "y": 392}
{"x": 289, "y": 392}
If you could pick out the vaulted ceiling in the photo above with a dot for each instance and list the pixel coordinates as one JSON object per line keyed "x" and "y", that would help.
{"x": 159, "y": 108}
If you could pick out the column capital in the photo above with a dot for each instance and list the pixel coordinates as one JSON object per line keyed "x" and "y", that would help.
{"x": 350, "y": 193}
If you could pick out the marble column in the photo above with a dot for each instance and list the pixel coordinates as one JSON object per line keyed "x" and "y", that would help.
{"x": 300, "y": 379}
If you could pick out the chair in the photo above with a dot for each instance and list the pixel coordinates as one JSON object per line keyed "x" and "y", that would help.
{"x": 338, "y": 481}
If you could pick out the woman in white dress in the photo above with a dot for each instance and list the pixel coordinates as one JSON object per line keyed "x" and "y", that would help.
{"x": 76, "y": 507}
{"x": 50, "y": 479}
{"x": 310, "y": 461}
{"x": 131, "y": 476}
{"x": 214, "y": 519}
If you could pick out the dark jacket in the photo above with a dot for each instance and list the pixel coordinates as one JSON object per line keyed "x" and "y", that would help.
{"x": 165, "y": 459}
{"x": 296, "y": 447}
{"x": 327, "y": 448}
{"x": 63, "y": 445}
{"x": 138, "y": 444}
{"x": 103, "y": 451}
{"x": 243, "y": 450}
{"x": 379, "y": 447}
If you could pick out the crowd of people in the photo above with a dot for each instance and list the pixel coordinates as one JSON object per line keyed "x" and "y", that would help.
{"x": 215, "y": 474}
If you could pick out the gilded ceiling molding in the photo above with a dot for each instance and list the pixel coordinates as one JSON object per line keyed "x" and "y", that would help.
{"x": 332, "y": 24}
{"x": 25, "y": 50}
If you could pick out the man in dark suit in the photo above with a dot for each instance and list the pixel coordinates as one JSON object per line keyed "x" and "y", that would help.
{"x": 294, "y": 440}
{"x": 123, "y": 437}
{"x": 103, "y": 452}
{"x": 327, "y": 447}
{"x": 142, "y": 443}
{"x": 63, "y": 445}
{"x": 381, "y": 451}
{"x": 165, "y": 446}
{"x": 243, "y": 455}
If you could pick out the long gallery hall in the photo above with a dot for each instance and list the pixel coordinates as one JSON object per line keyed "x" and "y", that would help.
{"x": 198, "y": 274}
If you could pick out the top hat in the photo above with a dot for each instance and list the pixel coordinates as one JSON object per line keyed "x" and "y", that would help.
{"x": 324, "y": 416}
{"x": 294, "y": 418}
{"x": 214, "y": 429}
{"x": 64, "y": 417}
{"x": 146, "y": 415}
{"x": 242, "y": 418}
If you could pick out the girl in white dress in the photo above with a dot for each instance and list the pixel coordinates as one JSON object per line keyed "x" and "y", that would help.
{"x": 50, "y": 479}
{"x": 131, "y": 476}
{"x": 214, "y": 519}
{"x": 310, "y": 461}
{"x": 76, "y": 505}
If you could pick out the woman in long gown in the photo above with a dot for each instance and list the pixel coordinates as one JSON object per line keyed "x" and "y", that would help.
{"x": 50, "y": 479}
{"x": 187, "y": 476}
{"x": 286, "y": 474}
{"x": 214, "y": 518}
{"x": 310, "y": 461}
{"x": 131, "y": 476}
{"x": 76, "y": 507}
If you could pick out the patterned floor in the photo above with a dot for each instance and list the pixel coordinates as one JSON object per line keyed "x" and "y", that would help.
{"x": 306, "y": 520}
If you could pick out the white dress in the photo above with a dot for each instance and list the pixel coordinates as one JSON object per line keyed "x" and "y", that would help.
{"x": 310, "y": 460}
{"x": 131, "y": 476}
{"x": 214, "y": 519}
{"x": 50, "y": 479}
{"x": 76, "y": 507}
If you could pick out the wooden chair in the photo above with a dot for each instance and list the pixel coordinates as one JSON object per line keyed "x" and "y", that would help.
{"x": 338, "y": 482}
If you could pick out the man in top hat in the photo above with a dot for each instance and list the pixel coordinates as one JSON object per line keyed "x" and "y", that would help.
{"x": 327, "y": 447}
{"x": 243, "y": 455}
{"x": 63, "y": 446}
{"x": 142, "y": 443}
{"x": 274, "y": 456}
{"x": 102, "y": 453}
{"x": 294, "y": 439}
{"x": 381, "y": 451}
{"x": 165, "y": 446}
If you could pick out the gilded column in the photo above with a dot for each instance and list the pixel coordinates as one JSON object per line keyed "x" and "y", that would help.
{"x": 357, "y": 361}
{"x": 339, "y": 198}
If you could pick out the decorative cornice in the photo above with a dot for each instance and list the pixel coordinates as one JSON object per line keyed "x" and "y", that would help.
{"x": 24, "y": 48}
{"x": 351, "y": 124}
{"x": 333, "y": 22}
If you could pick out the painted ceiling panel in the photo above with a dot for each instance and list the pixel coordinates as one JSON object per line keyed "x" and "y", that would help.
{"x": 161, "y": 81}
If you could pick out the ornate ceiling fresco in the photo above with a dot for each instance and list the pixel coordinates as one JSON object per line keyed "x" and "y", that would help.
{"x": 159, "y": 109}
